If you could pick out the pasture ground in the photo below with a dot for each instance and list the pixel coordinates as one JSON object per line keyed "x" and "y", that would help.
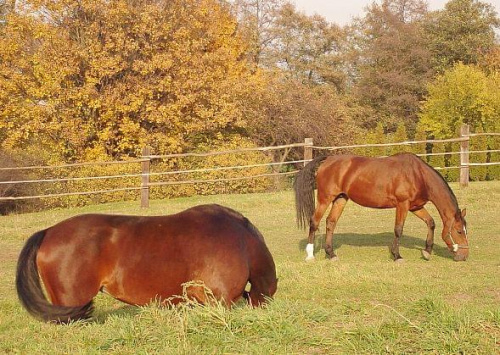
{"x": 364, "y": 303}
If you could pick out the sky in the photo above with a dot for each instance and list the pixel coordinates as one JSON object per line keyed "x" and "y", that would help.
{"x": 341, "y": 12}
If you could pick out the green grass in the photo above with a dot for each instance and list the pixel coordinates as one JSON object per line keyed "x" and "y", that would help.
{"x": 364, "y": 303}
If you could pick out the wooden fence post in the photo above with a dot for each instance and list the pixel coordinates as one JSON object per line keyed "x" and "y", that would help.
{"x": 308, "y": 151}
{"x": 145, "y": 168}
{"x": 464, "y": 156}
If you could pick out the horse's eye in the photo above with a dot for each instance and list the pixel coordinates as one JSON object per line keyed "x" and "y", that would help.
{"x": 459, "y": 232}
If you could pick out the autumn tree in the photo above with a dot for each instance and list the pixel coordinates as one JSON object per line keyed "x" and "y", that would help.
{"x": 300, "y": 77}
{"x": 308, "y": 48}
{"x": 374, "y": 136}
{"x": 257, "y": 20}
{"x": 479, "y": 144}
{"x": 287, "y": 111}
{"x": 464, "y": 31}
{"x": 437, "y": 158}
{"x": 490, "y": 62}
{"x": 399, "y": 136}
{"x": 6, "y": 7}
{"x": 95, "y": 79}
{"x": 392, "y": 62}
{"x": 462, "y": 95}
{"x": 420, "y": 148}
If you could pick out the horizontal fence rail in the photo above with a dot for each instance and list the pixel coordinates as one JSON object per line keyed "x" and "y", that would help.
{"x": 224, "y": 168}
{"x": 145, "y": 174}
{"x": 121, "y": 162}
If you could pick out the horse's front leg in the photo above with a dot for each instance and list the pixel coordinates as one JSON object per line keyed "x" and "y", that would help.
{"x": 401, "y": 213}
{"x": 424, "y": 215}
{"x": 331, "y": 221}
{"x": 313, "y": 227}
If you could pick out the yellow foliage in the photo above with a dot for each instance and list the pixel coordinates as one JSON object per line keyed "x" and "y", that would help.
{"x": 104, "y": 78}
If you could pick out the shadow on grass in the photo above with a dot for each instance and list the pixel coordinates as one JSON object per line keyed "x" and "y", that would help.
{"x": 375, "y": 240}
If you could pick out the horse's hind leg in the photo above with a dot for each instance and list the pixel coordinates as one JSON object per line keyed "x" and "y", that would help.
{"x": 75, "y": 285}
{"x": 401, "y": 213}
{"x": 424, "y": 215}
{"x": 331, "y": 221}
{"x": 313, "y": 226}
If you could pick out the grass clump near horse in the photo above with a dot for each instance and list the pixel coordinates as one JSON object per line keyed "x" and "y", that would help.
{"x": 137, "y": 259}
{"x": 402, "y": 181}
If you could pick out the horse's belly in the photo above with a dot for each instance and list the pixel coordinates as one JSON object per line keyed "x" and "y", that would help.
{"x": 373, "y": 200}
{"x": 173, "y": 281}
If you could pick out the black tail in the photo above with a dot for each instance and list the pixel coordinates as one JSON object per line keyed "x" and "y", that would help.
{"x": 30, "y": 292}
{"x": 304, "y": 192}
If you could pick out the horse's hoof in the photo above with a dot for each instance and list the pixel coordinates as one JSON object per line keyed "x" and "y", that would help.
{"x": 310, "y": 259}
{"x": 425, "y": 254}
{"x": 399, "y": 260}
{"x": 334, "y": 258}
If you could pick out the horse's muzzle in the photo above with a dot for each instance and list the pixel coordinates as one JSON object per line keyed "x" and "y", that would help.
{"x": 461, "y": 256}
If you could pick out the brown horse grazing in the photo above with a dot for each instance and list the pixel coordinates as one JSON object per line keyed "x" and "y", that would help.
{"x": 402, "y": 181}
{"x": 138, "y": 259}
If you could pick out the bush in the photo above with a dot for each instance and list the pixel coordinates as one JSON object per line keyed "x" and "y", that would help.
{"x": 8, "y": 161}
{"x": 201, "y": 178}
{"x": 220, "y": 181}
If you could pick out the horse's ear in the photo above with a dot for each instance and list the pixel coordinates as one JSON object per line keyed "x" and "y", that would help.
{"x": 464, "y": 212}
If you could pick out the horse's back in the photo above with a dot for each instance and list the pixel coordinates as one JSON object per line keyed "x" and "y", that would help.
{"x": 374, "y": 182}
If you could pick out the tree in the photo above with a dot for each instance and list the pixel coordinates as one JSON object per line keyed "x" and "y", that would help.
{"x": 6, "y": 7}
{"x": 479, "y": 144}
{"x": 375, "y": 136}
{"x": 287, "y": 111}
{"x": 490, "y": 62}
{"x": 393, "y": 63}
{"x": 399, "y": 136}
{"x": 257, "y": 19}
{"x": 96, "y": 79}
{"x": 462, "y": 95}
{"x": 463, "y": 31}
{"x": 437, "y": 160}
{"x": 494, "y": 170}
{"x": 307, "y": 48}
{"x": 420, "y": 148}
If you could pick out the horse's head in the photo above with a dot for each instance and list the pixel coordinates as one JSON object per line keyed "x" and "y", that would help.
{"x": 456, "y": 237}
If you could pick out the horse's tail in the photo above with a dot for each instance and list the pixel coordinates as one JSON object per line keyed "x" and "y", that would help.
{"x": 30, "y": 292}
{"x": 304, "y": 192}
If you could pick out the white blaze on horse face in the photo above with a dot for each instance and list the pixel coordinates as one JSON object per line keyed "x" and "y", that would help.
{"x": 455, "y": 248}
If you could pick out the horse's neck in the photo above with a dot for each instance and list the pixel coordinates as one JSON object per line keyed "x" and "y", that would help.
{"x": 441, "y": 196}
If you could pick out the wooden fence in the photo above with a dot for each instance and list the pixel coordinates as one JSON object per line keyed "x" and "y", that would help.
{"x": 308, "y": 147}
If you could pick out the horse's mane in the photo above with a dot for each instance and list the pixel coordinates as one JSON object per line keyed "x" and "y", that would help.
{"x": 441, "y": 178}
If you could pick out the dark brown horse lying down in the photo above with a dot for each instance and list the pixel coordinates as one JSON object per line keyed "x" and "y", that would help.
{"x": 138, "y": 259}
{"x": 402, "y": 181}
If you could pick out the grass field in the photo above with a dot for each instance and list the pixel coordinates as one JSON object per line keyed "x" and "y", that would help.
{"x": 364, "y": 303}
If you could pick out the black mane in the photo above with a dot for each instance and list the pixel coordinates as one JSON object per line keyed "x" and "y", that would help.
{"x": 452, "y": 194}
